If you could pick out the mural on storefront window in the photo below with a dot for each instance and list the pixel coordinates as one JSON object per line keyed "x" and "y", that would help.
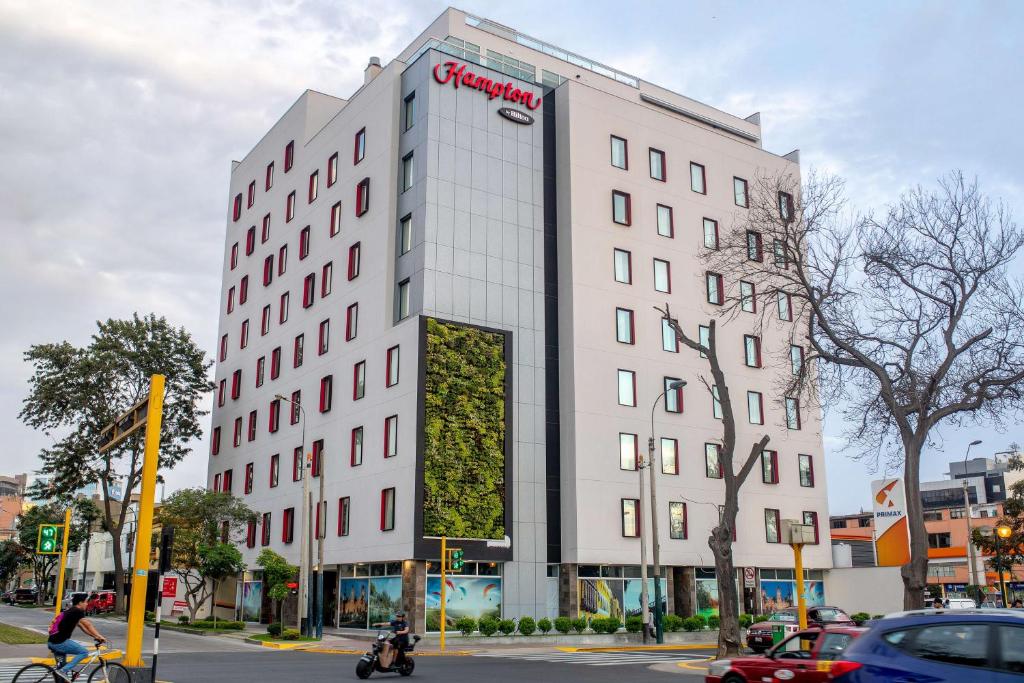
{"x": 780, "y": 594}
{"x": 600, "y": 598}
{"x": 354, "y": 603}
{"x": 465, "y": 596}
{"x": 252, "y": 598}
{"x": 631, "y": 595}
{"x": 385, "y": 598}
{"x": 707, "y": 597}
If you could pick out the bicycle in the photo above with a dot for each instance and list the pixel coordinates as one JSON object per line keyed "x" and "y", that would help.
{"x": 105, "y": 672}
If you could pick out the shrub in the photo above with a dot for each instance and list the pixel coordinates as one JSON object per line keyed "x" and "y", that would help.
{"x": 693, "y": 624}
{"x": 605, "y": 624}
{"x": 433, "y": 621}
{"x": 488, "y": 625}
{"x": 860, "y": 617}
{"x": 220, "y": 625}
{"x": 183, "y": 619}
{"x": 274, "y": 629}
{"x": 507, "y": 627}
{"x": 149, "y": 616}
{"x": 579, "y": 624}
{"x": 702, "y": 620}
{"x": 563, "y": 625}
{"x": 746, "y": 620}
{"x": 527, "y": 626}
{"x": 290, "y": 634}
{"x": 672, "y": 622}
{"x": 877, "y": 616}
{"x": 635, "y": 624}
{"x": 544, "y": 625}
{"x": 714, "y": 621}
{"x": 466, "y": 624}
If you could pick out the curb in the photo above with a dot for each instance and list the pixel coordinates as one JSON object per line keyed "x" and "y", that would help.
{"x": 337, "y": 651}
{"x": 629, "y": 648}
{"x": 280, "y": 646}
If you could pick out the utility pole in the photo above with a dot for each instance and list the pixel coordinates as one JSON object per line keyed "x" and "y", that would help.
{"x": 305, "y": 545}
{"x": 971, "y": 558}
{"x": 645, "y": 615}
{"x": 677, "y": 385}
{"x": 321, "y": 518}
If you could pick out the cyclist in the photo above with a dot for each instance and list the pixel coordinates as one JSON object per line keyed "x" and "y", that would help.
{"x": 63, "y": 626}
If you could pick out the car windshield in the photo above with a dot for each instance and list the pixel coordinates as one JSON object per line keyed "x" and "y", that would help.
{"x": 782, "y": 616}
{"x": 828, "y": 614}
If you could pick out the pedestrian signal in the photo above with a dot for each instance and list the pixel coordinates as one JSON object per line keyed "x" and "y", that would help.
{"x": 47, "y": 543}
{"x": 457, "y": 561}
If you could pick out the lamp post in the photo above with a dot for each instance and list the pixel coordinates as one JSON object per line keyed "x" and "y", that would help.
{"x": 645, "y": 616}
{"x": 676, "y": 385}
{"x": 306, "y": 547}
{"x": 1003, "y": 532}
{"x": 971, "y": 558}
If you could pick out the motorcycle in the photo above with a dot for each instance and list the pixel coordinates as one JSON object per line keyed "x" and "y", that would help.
{"x": 402, "y": 663}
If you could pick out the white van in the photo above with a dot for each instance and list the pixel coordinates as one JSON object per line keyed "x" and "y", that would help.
{"x": 961, "y": 603}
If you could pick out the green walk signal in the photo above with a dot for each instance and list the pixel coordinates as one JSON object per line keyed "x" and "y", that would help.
{"x": 47, "y": 543}
{"x": 457, "y": 561}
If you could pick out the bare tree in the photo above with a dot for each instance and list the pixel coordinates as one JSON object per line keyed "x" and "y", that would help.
{"x": 720, "y": 541}
{"x": 913, "y": 313}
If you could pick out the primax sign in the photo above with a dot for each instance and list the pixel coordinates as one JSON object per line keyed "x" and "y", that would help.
{"x": 457, "y": 75}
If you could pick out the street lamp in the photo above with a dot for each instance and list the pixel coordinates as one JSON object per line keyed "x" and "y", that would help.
{"x": 973, "y": 574}
{"x": 1003, "y": 532}
{"x": 675, "y": 385}
{"x": 306, "y": 546}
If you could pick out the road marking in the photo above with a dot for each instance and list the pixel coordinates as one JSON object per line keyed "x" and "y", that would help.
{"x": 618, "y": 658}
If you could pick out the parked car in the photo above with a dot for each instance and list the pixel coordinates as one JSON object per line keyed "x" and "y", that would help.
{"x": 804, "y": 657}
{"x": 25, "y": 595}
{"x": 937, "y": 646}
{"x": 759, "y": 635}
{"x": 66, "y": 602}
{"x": 104, "y": 602}
{"x": 961, "y": 603}
{"x": 8, "y": 597}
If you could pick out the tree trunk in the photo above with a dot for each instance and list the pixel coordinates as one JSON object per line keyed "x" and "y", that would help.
{"x": 720, "y": 543}
{"x": 213, "y": 603}
{"x": 119, "y": 596}
{"x": 915, "y": 572}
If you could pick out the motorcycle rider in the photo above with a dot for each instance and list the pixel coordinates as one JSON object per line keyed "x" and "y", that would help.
{"x": 400, "y": 627}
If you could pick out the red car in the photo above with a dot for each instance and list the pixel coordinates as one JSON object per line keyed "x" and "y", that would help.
{"x": 104, "y": 602}
{"x": 759, "y": 635}
{"x": 804, "y": 657}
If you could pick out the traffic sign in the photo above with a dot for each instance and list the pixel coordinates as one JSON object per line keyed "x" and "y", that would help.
{"x": 47, "y": 541}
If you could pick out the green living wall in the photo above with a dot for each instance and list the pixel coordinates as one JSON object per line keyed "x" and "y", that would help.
{"x": 464, "y": 432}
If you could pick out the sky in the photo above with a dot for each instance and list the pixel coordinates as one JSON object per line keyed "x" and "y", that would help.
{"x": 119, "y": 121}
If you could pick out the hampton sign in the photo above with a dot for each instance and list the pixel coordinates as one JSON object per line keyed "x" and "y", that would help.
{"x": 457, "y": 75}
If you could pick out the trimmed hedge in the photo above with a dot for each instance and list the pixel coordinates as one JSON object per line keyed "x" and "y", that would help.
{"x": 579, "y": 624}
{"x": 507, "y": 626}
{"x": 544, "y": 625}
{"x": 563, "y": 625}
{"x": 527, "y": 626}
{"x": 488, "y": 625}
{"x": 860, "y": 617}
{"x": 672, "y": 622}
{"x": 274, "y": 629}
{"x": 466, "y": 625}
{"x": 635, "y": 624}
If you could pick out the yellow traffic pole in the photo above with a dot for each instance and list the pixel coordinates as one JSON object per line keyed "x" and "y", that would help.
{"x": 63, "y": 561}
{"x": 444, "y": 561}
{"x": 801, "y": 601}
{"x": 144, "y": 528}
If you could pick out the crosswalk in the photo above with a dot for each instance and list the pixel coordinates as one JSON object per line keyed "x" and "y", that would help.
{"x": 619, "y": 658}
{"x": 7, "y": 671}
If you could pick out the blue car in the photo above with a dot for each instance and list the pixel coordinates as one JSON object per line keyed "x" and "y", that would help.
{"x": 935, "y": 646}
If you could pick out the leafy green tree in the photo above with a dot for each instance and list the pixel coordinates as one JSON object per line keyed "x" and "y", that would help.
{"x": 216, "y": 563}
{"x": 75, "y": 392}
{"x": 276, "y": 575}
{"x": 43, "y": 566}
{"x": 200, "y": 519}
{"x": 12, "y": 557}
{"x": 1011, "y": 550}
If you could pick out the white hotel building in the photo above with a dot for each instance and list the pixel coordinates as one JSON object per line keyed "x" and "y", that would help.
{"x": 355, "y": 221}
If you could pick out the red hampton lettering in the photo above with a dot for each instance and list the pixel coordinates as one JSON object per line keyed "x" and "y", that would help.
{"x": 457, "y": 75}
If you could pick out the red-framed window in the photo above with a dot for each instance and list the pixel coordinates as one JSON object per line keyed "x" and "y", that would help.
{"x": 779, "y": 254}
{"x": 662, "y": 276}
{"x": 308, "y": 290}
{"x": 748, "y": 297}
{"x": 711, "y": 233}
{"x": 622, "y": 264}
{"x": 669, "y": 341}
{"x": 677, "y": 520}
{"x": 274, "y": 423}
{"x": 621, "y": 208}
{"x": 785, "y": 206}
{"x": 755, "y": 246}
{"x": 297, "y": 464}
{"x": 317, "y": 460}
{"x": 796, "y": 359}
{"x": 354, "y": 257}
{"x": 359, "y": 147}
{"x": 249, "y": 474}
{"x": 332, "y": 169}
{"x": 739, "y": 191}
{"x": 282, "y": 259}
{"x": 665, "y": 221}
{"x": 243, "y": 337}
{"x": 282, "y": 314}
{"x": 625, "y": 332}
{"x": 269, "y": 181}
{"x": 251, "y": 198}
{"x": 265, "y": 321}
{"x": 323, "y": 337}
{"x": 326, "y": 393}
{"x": 784, "y": 302}
{"x": 619, "y": 152}
{"x": 216, "y": 483}
{"x": 630, "y": 517}
{"x": 362, "y": 197}
{"x": 289, "y": 207}
{"x": 223, "y": 348}
{"x": 250, "y": 534}
{"x": 391, "y": 367}
{"x": 321, "y": 510}
{"x": 222, "y": 392}
{"x": 755, "y": 408}
{"x": 335, "y": 225}
{"x": 391, "y": 436}
{"x": 326, "y": 279}
{"x": 698, "y": 178}
{"x": 715, "y": 288}
{"x": 751, "y": 351}
{"x": 236, "y": 212}
{"x": 669, "y": 455}
{"x": 387, "y": 509}
{"x": 811, "y": 519}
{"x": 237, "y": 438}
{"x": 275, "y": 470}
{"x": 289, "y": 156}
{"x": 351, "y": 321}
{"x": 294, "y": 407}
{"x": 629, "y": 451}
{"x": 234, "y": 256}
{"x": 215, "y": 441}
{"x": 627, "y": 388}
{"x": 275, "y": 363}
{"x": 265, "y": 531}
{"x": 236, "y": 384}
{"x": 659, "y": 169}
{"x": 356, "y": 450}
{"x": 712, "y": 461}
{"x": 344, "y": 515}
{"x": 304, "y": 243}
{"x": 265, "y": 232}
{"x": 231, "y": 299}
{"x": 268, "y": 270}
{"x": 243, "y": 290}
{"x": 314, "y": 186}
{"x": 805, "y": 464}
{"x": 251, "y": 427}
{"x": 250, "y": 240}
{"x": 288, "y": 525}
{"x": 792, "y": 413}
{"x": 673, "y": 397}
{"x": 772, "y": 526}
{"x": 770, "y": 467}
{"x": 261, "y": 363}
{"x": 359, "y": 380}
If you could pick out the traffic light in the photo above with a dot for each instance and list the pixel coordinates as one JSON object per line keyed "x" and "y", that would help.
{"x": 457, "y": 561}
{"x": 47, "y": 543}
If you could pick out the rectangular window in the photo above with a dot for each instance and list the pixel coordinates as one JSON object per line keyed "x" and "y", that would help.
{"x": 409, "y": 111}
{"x": 261, "y": 363}
{"x": 755, "y": 247}
{"x": 697, "y": 180}
{"x": 796, "y": 359}
{"x": 335, "y": 219}
{"x": 785, "y": 206}
{"x": 297, "y": 464}
{"x": 792, "y": 413}
{"x": 779, "y": 253}
{"x": 250, "y": 534}
{"x": 289, "y": 156}
{"x": 710, "y": 233}
{"x": 223, "y": 348}
{"x": 326, "y": 279}
{"x": 752, "y": 351}
{"x": 297, "y": 349}
{"x": 356, "y": 452}
{"x": 811, "y": 520}
{"x": 669, "y": 456}
{"x": 251, "y": 427}
{"x": 265, "y": 234}
{"x": 274, "y": 423}
{"x": 657, "y": 164}
{"x": 248, "y": 478}
{"x": 344, "y": 512}
{"x": 294, "y": 407}
{"x": 265, "y": 321}
{"x": 387, "y": 509}
{"x": 288, "y": 525}
{"x": 275, "y": 363}
{"x": 748, "y": 297}
{"x": 621, "y": 212}
{"x": 265, "y": 531}
{"x": 236, "y": 213}
{"x": 806, "y": 465}
{"x": 673, "y": 397}
{"x": 712, "y": 461}
{"x": 236, "y": 384}
{"x": 222, "y": 392}
{"x": 270, "y": 177}
{"x": 317, "y": 459}
{"x": 243, "y": 338}
{"x": 402, "y": 296}
{"x": 234, "y": 255}
{"x": 304, "y": 243}
{"x": 704, "y": 338}
{"x": 623, "y": 266}
{"x": 666, "y": 227}
{"x": 785, "y": 305}
{"x": 332, "y": 169}
{"x": 362, "y": 197}
{"x": 739, "y": 191}
{"x": 215, "y": 441}
{"x": 323, "y": 337}
{"x": 677, "y": 520}
{"x": 772, "y": 526}
{"x": 391, "y": 367}
{"x": 359, "y": 380}
{"x": 308, "y": 290}
{"x": 755, "y": 408}
{"x": 628, "y": 451}
{"x": 359, "y": 148}
{"x": 353, "y": 261}
{"x": 351, "y": 322}
{"x": 620, "y": 156}
{"x": 289, "y": 207}
{"x": 630, "y": 517}
{"x": 275, "y": 469}
{"x": 716, "y": 403}
{"x": 314, "y": 185}
{"x": 326, "y": 393}
{"x": 716, "y": 288}
{"x": 237, "y": 440}
{"x": 407, "y": 172}
{"x": 391, "y": 436}
{"x": 662, "y": 276}
{"x": 405, "y": 235}
{"x": 268, "y": 270}
{"x": 282, "y": 259}
{"x": 250, "y": 240}
{"x": 669, "y": 342}
{"x": 624, "y": 326}
{"x": 627, "y": 388}
{"x": 216, "y": 483}
{"x": 770, "y": 467}
{"x": 243, "y": 290}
